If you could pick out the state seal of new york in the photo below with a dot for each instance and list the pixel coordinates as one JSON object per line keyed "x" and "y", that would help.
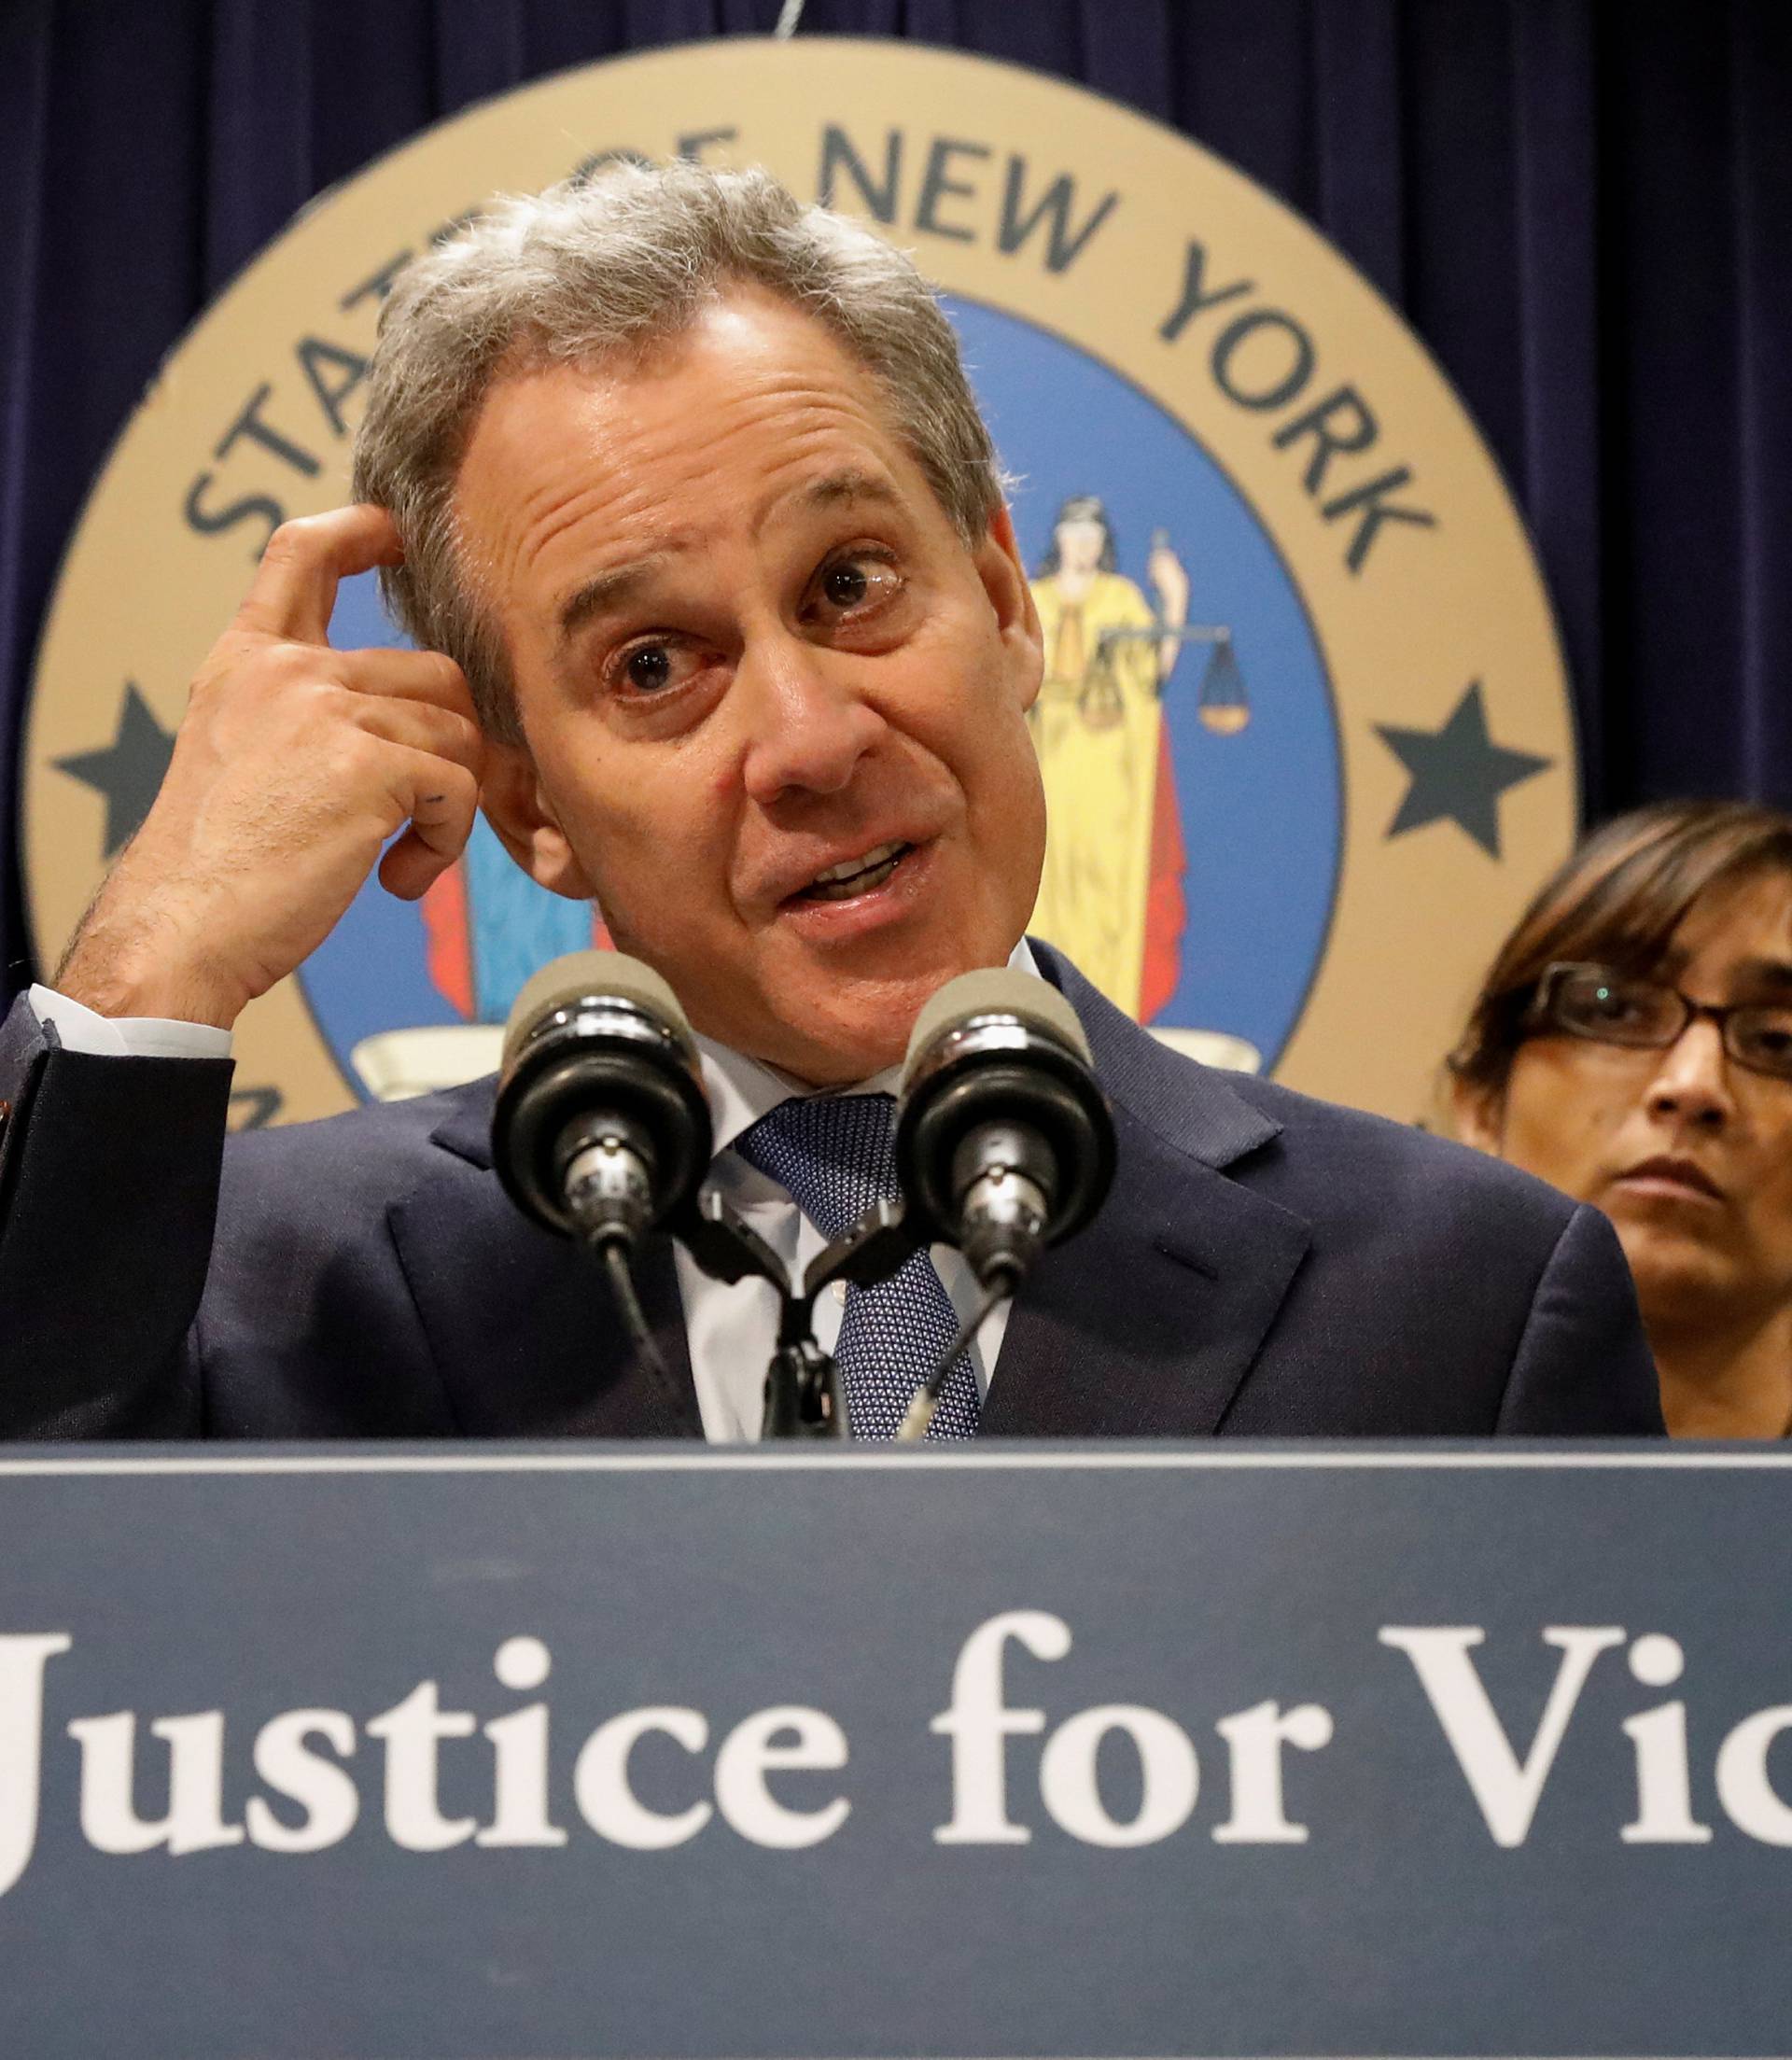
{"x": 1304, "y": 731}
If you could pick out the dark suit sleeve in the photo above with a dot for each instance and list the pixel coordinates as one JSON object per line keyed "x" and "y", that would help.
{"x": 108, "y": 1193}
{"x": 1583, "y": 1368}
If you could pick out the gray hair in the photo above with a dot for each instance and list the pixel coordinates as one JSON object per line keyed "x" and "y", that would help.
{"x": 613, "y": 264}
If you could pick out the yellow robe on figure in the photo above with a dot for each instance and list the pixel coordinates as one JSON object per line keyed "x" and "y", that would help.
{"x": 1096, "y": 725}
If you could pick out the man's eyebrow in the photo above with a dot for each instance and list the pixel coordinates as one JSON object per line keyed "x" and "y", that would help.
{"x": 849, "y": 485}
{"x": 601, "y": 592}
{"x": 604, "y": 591}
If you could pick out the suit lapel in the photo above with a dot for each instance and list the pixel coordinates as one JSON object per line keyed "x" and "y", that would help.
{"x": 1147, "y": 1323}
{"x": 522, "y": 1323}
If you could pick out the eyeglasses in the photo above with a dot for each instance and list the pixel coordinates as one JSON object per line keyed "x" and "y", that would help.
{"x": 1617, "y": 1008}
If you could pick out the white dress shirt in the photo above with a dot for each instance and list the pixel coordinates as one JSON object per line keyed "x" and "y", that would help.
{"x": 731, "y": 1331}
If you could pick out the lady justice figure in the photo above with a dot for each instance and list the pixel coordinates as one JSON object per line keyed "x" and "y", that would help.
{"x": 1111, "y": 895}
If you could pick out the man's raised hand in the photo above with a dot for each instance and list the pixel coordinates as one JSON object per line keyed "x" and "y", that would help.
{"x": 293, "y": 765}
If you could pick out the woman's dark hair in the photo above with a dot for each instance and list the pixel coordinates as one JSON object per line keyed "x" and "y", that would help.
{"x": 1616, "y": 902}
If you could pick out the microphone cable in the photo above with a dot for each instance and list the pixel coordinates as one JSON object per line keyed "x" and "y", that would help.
{"x": 921, "y": 1410}
{"x": 613, "y": 1251}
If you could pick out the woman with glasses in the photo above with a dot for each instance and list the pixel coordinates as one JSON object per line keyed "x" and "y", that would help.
{"x": 1632, "y": 1045}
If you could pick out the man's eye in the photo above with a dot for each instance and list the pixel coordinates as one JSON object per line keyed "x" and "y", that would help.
{"x": 846, "y": 585}
{"x": 662, "y": 677}
{"x": 649, "y": 669}
{"x": 855, "y": 586}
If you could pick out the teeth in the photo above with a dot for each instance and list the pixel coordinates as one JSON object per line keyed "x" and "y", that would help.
{"x": 840, "y": 883}
{"x": 851, "y": 868}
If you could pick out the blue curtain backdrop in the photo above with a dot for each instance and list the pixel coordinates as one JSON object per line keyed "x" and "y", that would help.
{"x": 1586, "y": 210}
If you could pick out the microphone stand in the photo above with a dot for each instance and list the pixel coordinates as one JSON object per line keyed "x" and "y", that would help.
{"x": 803, "y": 1393}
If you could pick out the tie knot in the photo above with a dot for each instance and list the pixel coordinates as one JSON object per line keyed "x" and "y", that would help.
{"x": 833, "y": 1155}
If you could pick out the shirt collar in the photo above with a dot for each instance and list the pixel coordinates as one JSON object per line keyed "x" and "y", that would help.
{"x": 742, "y": 1089}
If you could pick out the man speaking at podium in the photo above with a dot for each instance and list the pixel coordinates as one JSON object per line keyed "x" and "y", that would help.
{"x": 681, "y": 490}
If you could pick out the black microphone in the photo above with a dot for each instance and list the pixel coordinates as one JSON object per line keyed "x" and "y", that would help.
{"x": 601, "y": 1130}
{"x": 1004, "y": 1143}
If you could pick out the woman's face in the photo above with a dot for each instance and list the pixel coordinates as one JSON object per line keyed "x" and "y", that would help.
{"x": 1079, "y": 545}
{"x": 1688, "y": 1154}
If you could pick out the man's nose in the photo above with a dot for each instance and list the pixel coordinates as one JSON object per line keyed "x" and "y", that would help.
{"x": 1691, "y": 1084}
{"x": 808, "y": 724}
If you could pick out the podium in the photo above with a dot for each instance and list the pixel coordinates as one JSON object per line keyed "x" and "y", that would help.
{"x": 482, "y": 1751}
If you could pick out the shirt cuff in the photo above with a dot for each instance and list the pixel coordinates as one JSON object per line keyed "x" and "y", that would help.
{"x": 81, "y": 1028}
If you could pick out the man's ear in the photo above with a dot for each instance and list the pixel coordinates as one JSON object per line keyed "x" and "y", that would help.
{"x": 1004, "y": 580}
{"x": 516, "y": 807}
{"x": 1478, "y": 1113}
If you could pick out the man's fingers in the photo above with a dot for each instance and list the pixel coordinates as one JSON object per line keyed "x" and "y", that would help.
{"x": 420, "y": 726}
{"x": 294, "y": 589}
{"x": 406, "y": 676}
{"x": 443, "y": 802}
{"x": 411, "y": 866}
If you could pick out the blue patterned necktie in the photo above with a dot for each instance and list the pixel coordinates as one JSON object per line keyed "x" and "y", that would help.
{"x": 835, "y": 1156}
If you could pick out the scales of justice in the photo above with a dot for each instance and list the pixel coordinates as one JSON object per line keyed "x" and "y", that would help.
{"x": 1111, "y": 895}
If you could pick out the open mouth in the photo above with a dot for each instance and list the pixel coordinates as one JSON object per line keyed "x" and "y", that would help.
{"x": 854, "y": 877}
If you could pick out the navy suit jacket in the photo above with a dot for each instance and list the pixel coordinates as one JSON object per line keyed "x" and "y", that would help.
{"x": 1266, "y": 1265}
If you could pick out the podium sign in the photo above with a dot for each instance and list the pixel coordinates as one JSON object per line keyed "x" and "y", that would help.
{"x": 1039, "y": 1750}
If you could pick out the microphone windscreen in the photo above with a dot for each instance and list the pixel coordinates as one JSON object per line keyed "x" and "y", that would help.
{"x": 584, "y": 976}
{"x": 996, "y": 990}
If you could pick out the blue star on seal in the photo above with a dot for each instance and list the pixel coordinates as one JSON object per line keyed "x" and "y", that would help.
{"x": 1457, "y": 774}
{"x": 128, "y": 771}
